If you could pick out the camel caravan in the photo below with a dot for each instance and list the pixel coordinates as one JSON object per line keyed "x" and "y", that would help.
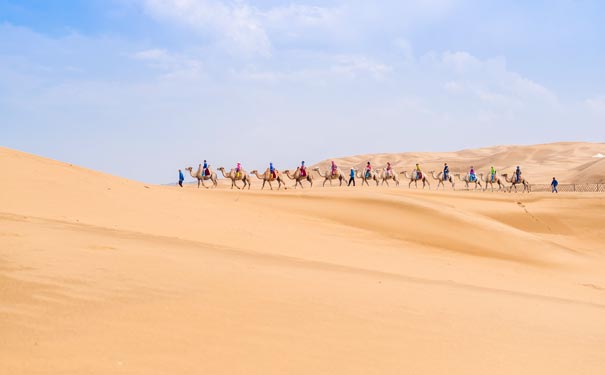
{"x": 368, "y": 176}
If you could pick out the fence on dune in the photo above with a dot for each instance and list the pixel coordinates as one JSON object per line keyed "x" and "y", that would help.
{"x": 537, "y": 188}
{"x": 569, "y": 188}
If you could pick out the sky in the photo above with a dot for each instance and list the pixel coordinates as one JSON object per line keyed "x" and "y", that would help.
{"x": 141, "y": 88}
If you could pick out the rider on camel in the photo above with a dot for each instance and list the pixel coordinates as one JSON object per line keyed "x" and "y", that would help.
{"x": 368, "y": 171}
{"x": 388, "y": 169}
{"x": 303, "y": 169}
{"x": 446, "y": 172}
{"x": 205, "y": 169}
{"x": 272, "y": 171}
{"x": 334, "y": 168}
{"x": 418, "y": 172}
{"x": 472, "y": 176}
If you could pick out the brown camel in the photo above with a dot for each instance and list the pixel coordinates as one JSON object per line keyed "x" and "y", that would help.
{"x": 267, "y": 177}
{"x": 237, "y": 176}
{"x": 383, "y": 176}
{"x": 497, "y": 180}
{"x": 514, "y": 182}
{"x": 467, "y": 180}
{"x": 414, "y": 178}
{"x": 200, "y": 179}
{"x": 328, "y": 176}
{"x": 442, "y": 181}
{"x": 299, "y": 177}
{"x": 364, "y": 178}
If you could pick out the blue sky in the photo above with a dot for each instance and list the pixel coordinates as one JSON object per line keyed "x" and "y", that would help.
{"x": 140, "y": 88}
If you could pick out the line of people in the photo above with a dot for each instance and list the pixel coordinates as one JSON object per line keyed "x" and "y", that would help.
{"x": 367, "y": 172}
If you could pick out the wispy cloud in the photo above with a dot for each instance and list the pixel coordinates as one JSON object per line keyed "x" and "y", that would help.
{"x": 596, "y": 105}
{"x": 172, "y": 65}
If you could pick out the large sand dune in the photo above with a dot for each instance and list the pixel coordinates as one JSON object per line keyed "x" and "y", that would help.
{"x": 102, "y": 275}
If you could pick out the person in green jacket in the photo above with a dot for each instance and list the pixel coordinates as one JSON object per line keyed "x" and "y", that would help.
{"x": 493, "y": 173}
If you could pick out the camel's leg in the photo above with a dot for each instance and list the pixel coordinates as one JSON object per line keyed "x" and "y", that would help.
{"x": 198, "y": 183}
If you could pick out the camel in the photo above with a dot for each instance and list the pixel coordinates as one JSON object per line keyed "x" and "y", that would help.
{"x": 234, "y": 176}
{"x": 467, "y": 180}
{"x": 329, "y": 176}
{"x": 381, "y": 175}
{"x": 414, "y": 178}
{"x": 364, "y": 179}
{"x": 299, "y": 178}
{"x": 497, "y": 180}
{"x": 442, "y": 181}
{"x": 267, "y": 177}
{"x": 200, "y": 179}
{"x": 514, "y": 183}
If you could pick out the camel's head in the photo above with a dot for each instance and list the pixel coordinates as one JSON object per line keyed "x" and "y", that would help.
{"x": 431, "y": 172}
{"x": 220, "y": 169}
{"x": 286, "y": 171}
{"x": 189, "y": 169}
{"x": 254, "y": 171}
{"x": 316, "y": 169}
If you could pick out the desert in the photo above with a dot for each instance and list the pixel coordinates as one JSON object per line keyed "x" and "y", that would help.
{"x": 100, "y": 274}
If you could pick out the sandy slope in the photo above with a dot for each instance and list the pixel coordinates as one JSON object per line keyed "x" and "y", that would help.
{"x": 103, "y": 275}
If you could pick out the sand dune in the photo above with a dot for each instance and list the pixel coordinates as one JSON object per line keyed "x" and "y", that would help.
{"x": 99, "y": 274}
{"x": 539, "y": 162}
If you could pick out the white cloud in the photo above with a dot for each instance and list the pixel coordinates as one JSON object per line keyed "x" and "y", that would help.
{"x": 237, "y": 25}
{"x": 354, "y": 66}
{"x": 488, "y": 80}
{"x": 173, "y": 65}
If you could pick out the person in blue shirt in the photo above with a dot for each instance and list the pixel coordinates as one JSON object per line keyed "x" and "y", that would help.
{"x": 518, "y": 174}
{"x": 554, "y": 185}
{"x": 181, "y": 178}
{"x": 352, "y": 177}
{"x": 272, "y": 170}
{"x": 472, "y": 175}
{"x": 446, "y": 172}
{"x": 204, "y": 168}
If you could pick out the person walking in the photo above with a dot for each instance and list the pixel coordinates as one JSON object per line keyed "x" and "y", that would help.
{"x": 352, "y": 177}
{"x": 554, "y": 185}
{"x": 181, "y": 178}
